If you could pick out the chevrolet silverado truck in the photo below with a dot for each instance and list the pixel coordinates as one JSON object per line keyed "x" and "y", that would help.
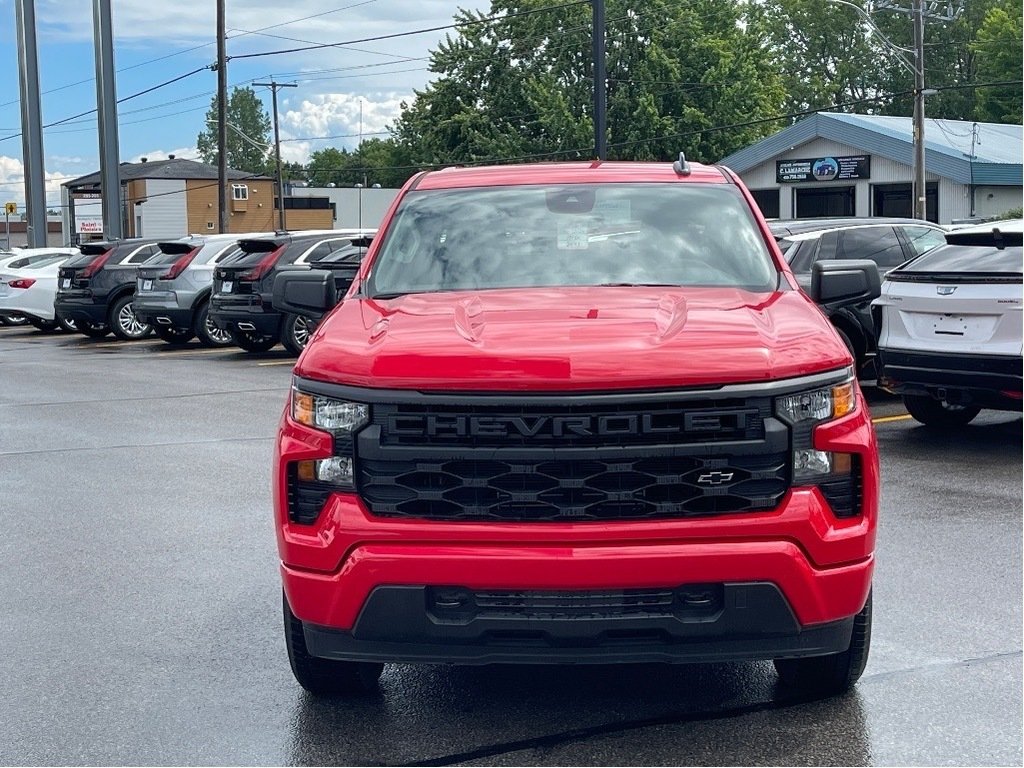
{"x": 576, "y": 413}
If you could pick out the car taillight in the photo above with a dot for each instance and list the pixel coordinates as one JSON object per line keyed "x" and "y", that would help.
{"x": 22, "y": 282}
{"x": 179, "y": 265}
{"x": 265, "y": 265}
{"x": 96, "y": 264}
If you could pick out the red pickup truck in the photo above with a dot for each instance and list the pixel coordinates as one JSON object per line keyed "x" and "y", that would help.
{"x": 576, "y": 413}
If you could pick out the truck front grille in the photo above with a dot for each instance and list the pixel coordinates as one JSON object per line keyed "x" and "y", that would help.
{"x": 574, "y": 490}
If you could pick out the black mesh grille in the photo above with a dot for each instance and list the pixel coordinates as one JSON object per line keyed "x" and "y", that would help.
{"x": 305, "y": 499}
{"x": 567, "y": 490}
{"x": 844, "y": 496}
{"x": 456, "y": 603}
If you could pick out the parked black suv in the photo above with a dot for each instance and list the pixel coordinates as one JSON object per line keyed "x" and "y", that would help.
{"x": 95, "y": 290}
{"x": 243, "y": 284}
{"x": 338, "y": 269}
{"x": 887, "y": 242}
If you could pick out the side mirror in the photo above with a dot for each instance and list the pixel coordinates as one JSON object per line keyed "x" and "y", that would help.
{"x": 310, "y": 293}
{"x": 838, "y": 282}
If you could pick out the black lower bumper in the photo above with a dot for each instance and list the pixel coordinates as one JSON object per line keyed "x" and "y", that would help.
{"x": 163, "y": 317}
{"x": 88, "y": 311}
{"x": 729, "y": 622}
{"x": 962, "y": 379}
{"x": 251, "y": 317}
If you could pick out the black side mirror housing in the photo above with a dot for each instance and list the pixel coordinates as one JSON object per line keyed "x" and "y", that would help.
{"x": 310, "y": 293}
{"x": 839, "y": 282}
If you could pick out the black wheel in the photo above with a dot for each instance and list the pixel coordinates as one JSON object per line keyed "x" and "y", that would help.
{"x": 253, "y": 342}
{"x": 8, "y": 320}
{"x": 123, "y": 322}
{"x": 67, "y": 325}
{"x": 173, "y": 335}
{"x": 936, "y": 413}
{"x": 836, "y": 672}
{"x": 46, "y": 326}
{"x": 209, "y": 335}
{"x": 295, "y": 332}
{"x": 92, "y": 331}
{"x": 325, "y": 677}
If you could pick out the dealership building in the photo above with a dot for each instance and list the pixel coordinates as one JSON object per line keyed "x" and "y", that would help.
{"x": 833, "y": 164}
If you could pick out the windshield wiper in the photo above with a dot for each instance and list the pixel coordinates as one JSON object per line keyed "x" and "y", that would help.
{"x": 637, "y": 285}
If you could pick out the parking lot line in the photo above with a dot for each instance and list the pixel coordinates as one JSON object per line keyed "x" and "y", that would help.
{"x": 278, "y": 362}
{"x": 886, "y": 419}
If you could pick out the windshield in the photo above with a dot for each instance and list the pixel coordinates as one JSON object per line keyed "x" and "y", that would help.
{"x": 574, "y": 235}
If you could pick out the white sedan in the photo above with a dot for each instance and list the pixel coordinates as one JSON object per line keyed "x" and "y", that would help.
{"x": 28, "y": 283}
{"x": 951, "y": 326}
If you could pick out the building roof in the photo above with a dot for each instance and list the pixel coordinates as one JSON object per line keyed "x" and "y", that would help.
{"x": 949, "y": 145}
{"x": 172, "y": 168}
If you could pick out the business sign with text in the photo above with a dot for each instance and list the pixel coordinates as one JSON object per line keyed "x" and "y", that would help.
{"x": 823, "y": 169}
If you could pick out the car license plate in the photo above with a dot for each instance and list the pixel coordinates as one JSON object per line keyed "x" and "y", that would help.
{"x": 147, "y": 285}
{"x": 225, "y": 287}
{"x": 65, "y": 283}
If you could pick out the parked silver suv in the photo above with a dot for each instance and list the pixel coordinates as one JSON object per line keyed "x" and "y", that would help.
{"x": 172, "y": 291}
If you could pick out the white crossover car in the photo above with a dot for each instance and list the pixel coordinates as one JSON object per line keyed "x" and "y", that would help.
{"x": 28, "y": 284}
{"x": 951, "y": 326}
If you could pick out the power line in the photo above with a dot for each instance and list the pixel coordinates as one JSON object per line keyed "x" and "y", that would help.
{"x": 393, "y": 35}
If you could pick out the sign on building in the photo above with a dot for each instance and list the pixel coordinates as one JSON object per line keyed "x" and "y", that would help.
{"x": 823, "y": 169}
{"x": 88, "y": 214}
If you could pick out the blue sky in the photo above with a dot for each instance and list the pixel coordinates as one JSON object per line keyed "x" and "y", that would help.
{"x": 157, "y": 41}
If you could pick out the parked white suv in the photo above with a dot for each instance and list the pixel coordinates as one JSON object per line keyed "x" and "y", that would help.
{"x": 951, "y": 326}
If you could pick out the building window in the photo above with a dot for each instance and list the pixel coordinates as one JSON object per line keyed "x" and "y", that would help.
{"x": 239, "y": 192}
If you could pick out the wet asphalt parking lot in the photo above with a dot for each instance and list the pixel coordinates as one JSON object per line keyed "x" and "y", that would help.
{"x": 141, "y": 602}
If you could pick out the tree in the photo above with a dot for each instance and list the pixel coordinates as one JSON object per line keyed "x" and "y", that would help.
{"x": 375, "y": 161}
{"x": 522, "y": 86}
{"x": 998, "y": 48}
{"x": 248, "y": 138}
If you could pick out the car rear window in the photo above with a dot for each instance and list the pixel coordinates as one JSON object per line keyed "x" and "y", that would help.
{"x": 971, "y": 259}
{"x": 573, "y": 235}
{"x": 171, "y": 252}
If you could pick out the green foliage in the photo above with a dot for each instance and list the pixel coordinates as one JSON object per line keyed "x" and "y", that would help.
{"x": 375, "y": 161}
{"x": 997, "y": 47}
{"x": 522, "y": 87}
{"x": 246, "y": 118}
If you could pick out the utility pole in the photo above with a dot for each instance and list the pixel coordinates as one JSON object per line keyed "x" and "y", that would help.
{"x": 31, "y": 125}
{"x": 918, "y": 13}
{"x": 106, "y": 114}
{"x": 222, "y": 118}
{"x": 920, "y": 183}
{"x": 600, "y": 81}
{"x": 273, "y": 86}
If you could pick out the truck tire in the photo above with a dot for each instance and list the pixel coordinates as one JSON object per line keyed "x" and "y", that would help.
{"x": 837, "y": 672}
{"x": 935, "y": 413}
{"x": 46, "y": 326}
{"x": 325, "y": 677}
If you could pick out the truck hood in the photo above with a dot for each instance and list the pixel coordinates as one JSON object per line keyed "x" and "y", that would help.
{"x": 558, "y": 339}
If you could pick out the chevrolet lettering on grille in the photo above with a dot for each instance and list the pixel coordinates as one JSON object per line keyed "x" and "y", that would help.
{"x": 460, "y": 425}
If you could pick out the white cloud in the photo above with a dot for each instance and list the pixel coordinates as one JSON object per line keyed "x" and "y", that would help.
{"x": 333, "y": 119}
{"x": 12, "y": 182}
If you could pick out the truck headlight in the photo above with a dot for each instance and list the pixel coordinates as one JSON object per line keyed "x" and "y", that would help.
{"x": 803, "y": 411}
{"x": 817, "y": 405}
{"x": 335, "y": 416}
